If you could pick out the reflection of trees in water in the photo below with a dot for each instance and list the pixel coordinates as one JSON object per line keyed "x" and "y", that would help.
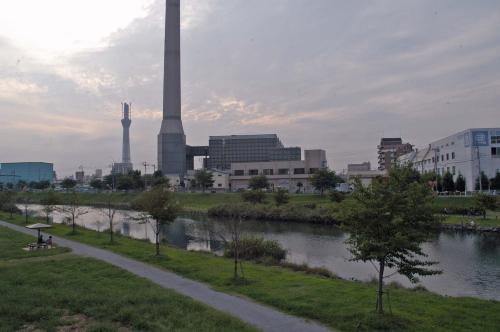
{"x": 488, "y": 245}
{"x": 280, "y": 226}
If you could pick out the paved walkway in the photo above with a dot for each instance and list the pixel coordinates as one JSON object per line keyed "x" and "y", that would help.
{"x": 261, "y": 316}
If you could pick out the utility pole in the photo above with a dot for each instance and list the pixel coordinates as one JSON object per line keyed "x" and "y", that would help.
{"x": 479, "y": 166}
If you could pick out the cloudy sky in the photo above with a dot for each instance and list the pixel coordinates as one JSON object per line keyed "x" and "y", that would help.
{"x": 336, "y": 75}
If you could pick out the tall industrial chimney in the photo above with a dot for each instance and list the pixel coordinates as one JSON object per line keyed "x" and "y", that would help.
{"x": 171, "y": 139}
{"x": 126, "y": 122}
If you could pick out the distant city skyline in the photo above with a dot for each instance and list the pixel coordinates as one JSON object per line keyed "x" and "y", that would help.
{"x": 326, "y": 74}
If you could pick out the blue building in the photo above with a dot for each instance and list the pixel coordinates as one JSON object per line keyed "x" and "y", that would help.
{"x": 27, "y": 172}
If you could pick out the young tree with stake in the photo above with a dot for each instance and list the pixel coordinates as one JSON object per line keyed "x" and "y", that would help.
{"x": 109, "y": 211}
{"x": 73, "y": 210}
{"x": 160, "y": 208}
{"x": 49, "y": 203}
{"x": 387, "y": 222}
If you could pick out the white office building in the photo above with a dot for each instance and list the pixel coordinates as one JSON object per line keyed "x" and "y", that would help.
{"x": 468, "y": 152}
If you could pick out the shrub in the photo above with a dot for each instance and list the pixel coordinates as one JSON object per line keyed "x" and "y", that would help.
{"x": 252, "y": 248}
{"x": 281, "y": 197}
{"x": 336, "y": 196}
{"x": 253, "y": 196}
{"x": 290, "y": 213}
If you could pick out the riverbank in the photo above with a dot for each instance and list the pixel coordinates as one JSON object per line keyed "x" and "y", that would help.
{"x": 53, "y": 290}
{"x": 341, "y": 304}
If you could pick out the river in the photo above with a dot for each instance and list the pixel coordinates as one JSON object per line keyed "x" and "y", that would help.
{"x": 470, "y": 261}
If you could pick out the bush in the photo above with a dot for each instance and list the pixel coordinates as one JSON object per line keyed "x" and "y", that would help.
{"x": 252, "y": 248}
{"x": 289, "y": 213}
{"x": 336, "y": 196}
{"x": 253, "y": 196}
{"x": 281, "y": 197}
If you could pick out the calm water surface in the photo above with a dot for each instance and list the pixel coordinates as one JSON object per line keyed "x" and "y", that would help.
{"x": 470, "y": 262}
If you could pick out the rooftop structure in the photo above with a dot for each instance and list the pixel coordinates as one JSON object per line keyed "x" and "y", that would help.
{"x": 366, "y": 166}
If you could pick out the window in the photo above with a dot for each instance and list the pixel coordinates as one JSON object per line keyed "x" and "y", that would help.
{"x": 283, "y": 171}
{"x": 299, "y": 171}
{"x": 495, "y": 139}
{"x": 239, "y": 172}
{"x": 453, "y": 170}
{"x": 312, "y": 170}
{"x": 447, "y": 156}
{"x": 447, "y": 169}
{"x": 219, "y": 184}
{"x": 433, "y": 160}
{"x": 453, "y": 155}
{"x": 253, "y": 172}
{"x": 268, "y": 171}
{"x": 495, "y": 152}
{"x": 442, "y": 157}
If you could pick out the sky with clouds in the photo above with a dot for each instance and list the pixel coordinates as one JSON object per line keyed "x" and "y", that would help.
{"x": 336, "y": 75}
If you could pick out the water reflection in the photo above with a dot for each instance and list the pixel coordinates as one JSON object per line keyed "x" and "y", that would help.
{"x": 470, "y": 262}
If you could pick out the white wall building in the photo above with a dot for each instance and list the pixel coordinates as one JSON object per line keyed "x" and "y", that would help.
{"x": 468, "y": 152}
{"x": 286, "y": 174}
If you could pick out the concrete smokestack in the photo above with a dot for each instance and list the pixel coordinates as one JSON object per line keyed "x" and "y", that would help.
{"x": 171, "y": 139}
{"x": 126, "y": 122}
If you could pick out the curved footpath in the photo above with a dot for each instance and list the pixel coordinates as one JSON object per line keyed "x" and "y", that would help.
{"x": 263, "y": 317}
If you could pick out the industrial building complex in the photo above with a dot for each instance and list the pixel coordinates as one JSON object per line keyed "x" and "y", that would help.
{"x": 26, "y": 171}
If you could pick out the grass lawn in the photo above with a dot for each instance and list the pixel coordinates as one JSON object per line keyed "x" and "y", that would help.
{"x": 71, "y": 293}
{"x": 344, "y": 305}
{"x": 492, "y": 220}
{"x": 201, "y": 202}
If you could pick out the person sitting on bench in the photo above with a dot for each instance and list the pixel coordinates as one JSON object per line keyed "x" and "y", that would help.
{"x": 49, "y": 241}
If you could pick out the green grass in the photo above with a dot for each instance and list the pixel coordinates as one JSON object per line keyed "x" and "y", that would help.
{"x": 12, "y": 244}
{"x": 74, "y": 293}
{"x": 340, "y": 304}
{"x": 492, "y": 220}
{"x": 201, "y": 202}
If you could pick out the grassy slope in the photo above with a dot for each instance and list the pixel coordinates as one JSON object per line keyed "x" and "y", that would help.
{"x": 47, "y": 292}
{"x": 338, "y": 303}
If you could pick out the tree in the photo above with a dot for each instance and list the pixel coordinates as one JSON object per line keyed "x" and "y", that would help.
{"x": 324, "y": 179}
{"x": 387, "y": 222}
{"x": 49, "y": 203}
{"x": 230, "y": 231}
{"x": 253, "y": 196}
{"x": 460, "y": 183}
{"x": 430, "y": 179}
{"x": 160, "y": 208}
{"x": 26, "y": 200}
{"x": 68, "y": 183}
{"x": 204, "y": 179}
{"x": 97, "y": 184}
{"x": 485, "y": 202}
{"x": 258, "y": 182}
{"x": 448, "y": 183}
{"x": 7, "y": 202}
{"x": 21, "y": 185}
{"x": 159, "y": 179}
{"x": 109, "y": 211}
{"x": 281, "y": 197}
{"x": 125, "y": 182}
{"x": 495, "y": 182}
{"x": 73, "y": 210}
{"x": 484, "y": 182}
{"x": 439, "y": 183}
